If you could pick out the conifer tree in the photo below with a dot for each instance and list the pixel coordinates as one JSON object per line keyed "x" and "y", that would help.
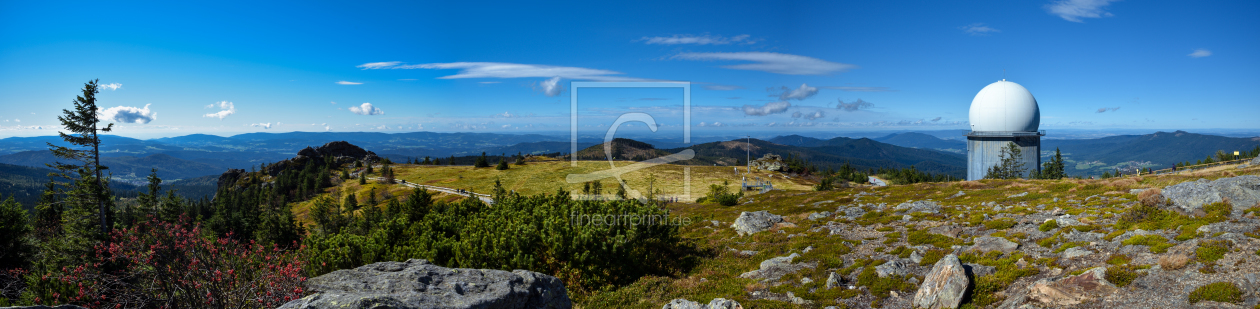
{"x": 481, "y": 161}
{"x": 87, "y": 196}
{"x": 1010, "y": 167}
{"x": 502, "y": 164}
{"x": 15, "y": 243}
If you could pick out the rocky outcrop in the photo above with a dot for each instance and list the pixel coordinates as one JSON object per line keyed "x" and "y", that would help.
{"x": 769, "y": 162}
{"x": 419, "y": 284}
{"x": 944, "y": 286}
{"x": 919, "y": 206}
{"x": 752, "y": 222}
{"x": 990, "y": 243}
{"x": 775, "y": 268}
{"x": 1072, "y": 290}
{"x": 1242, "y": 191}
{"x": 716, "y": 303}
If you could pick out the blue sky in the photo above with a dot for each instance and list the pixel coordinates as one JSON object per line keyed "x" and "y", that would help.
{"x": 777, "y": 67}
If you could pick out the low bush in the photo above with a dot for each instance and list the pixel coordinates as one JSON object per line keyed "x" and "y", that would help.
{"x": 1121, "y": 276}
{"x": 1173, "y": 261}
{"x": 172, "y": 265}
{"x": 1048, "y": 225}
{"x": 1212, "y": 250}
{"x": 923, "y": 237}
{"x": 1224, "y": 292}
{"x": 1157, "y": 244}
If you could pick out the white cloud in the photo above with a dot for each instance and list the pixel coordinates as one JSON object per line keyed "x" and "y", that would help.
{"x": 551, "y": 87}
{"x": 262, "y": 125}
{"x": 773, "y": 62}
{"x": 722, "y": 87}
{"x": 366, "y": 109}
{"x": 697, "y": 39}
{"x": 978, "y": 29}
{"x": 856, "y": 105}
{"x": 493, "y": 82}
{"x": 327, "y": 128}
{"x": 1200, "y": 53}
{"x": 226, "y": 108}
{"x": 768, "y": 109}
{"x": 17, "y": 120}
{"x": 506, "y": 126}
{"x": 333, "y": 102}
{"x": 111, "y": 86}
{"x": 804, "y": 92}
{"x": 378, "y": 65}
{"x": 129, "y": 114}
{"x": 505, "y": 70}
{"x": 1074, "y": 10}
{"x": 348, "y": 83}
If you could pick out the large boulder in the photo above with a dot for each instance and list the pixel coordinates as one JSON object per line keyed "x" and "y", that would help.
{"x": 768, "y": 162}
{"x": 892, "y": 268}
{"x": 775, "y": 268}
{"x": 1073, "y": 290}
{"x": 944, "y": 286}
{"x": 419, "y": 284}
{"x": 716, "y": 303}
{"x": 752, "y": 222}
{"x": 990, "y": 243}
{"x": 1242, "y": 191}
{"x": 919, "y": 206}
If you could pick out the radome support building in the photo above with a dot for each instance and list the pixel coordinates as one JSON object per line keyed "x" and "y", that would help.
{"x": 1003, "y": 112}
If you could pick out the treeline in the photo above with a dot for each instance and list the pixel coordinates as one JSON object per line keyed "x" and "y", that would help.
{"x": 472, "y": 160}
{"x": 1222, "y": 156}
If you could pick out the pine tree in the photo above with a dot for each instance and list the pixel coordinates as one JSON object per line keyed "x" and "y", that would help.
{"x": 90, "y": 189}
{"x": 16, "y": 247}
{"x": 1011, "y": 167}
{"x": 502, "y": 164}
{"x": 481, "y": 161}
{"x": 148, "y": 202}
{"x": 450, "y": 161}
{"x": 48, "y": 212}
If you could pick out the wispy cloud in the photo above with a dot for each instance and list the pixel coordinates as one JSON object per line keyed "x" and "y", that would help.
{"x": 722, "y": 87}
{"x": 129, "y": 114}
{"x": 491, "y": 82}
{"x": 772, "y": 62}
{"x": 348, "y": 83}
{"x": 261, "y": 125}
{"x": 804, "y": 92}
{"x": 809, "y": 116}
{"x": 551, "y": 87}
{"x": 978, "y": 29}
{"x": 504, "y": 70}
{"x": 1108, "y": 109}
{"x": 366, "y": 109}
{"x": 1075, "y": 10}
{"x": 768, "y": 109}
{"x": 935, "y": 119}
{"x": 226, "y": 109}
{"x": 861, "y": 89}
{"x": 111, "y": 86}
{"x": 854, "y": 106}
{"x": 703, "y": 39}
{"x": 1200, "y": 53}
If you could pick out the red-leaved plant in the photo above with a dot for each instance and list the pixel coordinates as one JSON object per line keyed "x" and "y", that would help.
{"x": 172, "y": 265}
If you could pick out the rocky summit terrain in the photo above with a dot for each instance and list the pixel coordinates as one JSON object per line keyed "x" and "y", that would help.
{"x": 1188, "y": 240}
{"x": 419, "y": 284}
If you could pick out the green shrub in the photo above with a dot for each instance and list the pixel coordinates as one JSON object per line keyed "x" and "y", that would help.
{"x": 1157, "y": 244}
{"x": 1121, "y": 276}
{"x": 1212, "y": 250}
{"x": 1071, "y": 245}
{"x": 932, "y": 256}
{"x": 881, "y": 286}
{"x": 1119, "y": 259}
{"x": 923, "y": 237}
{"x": 1000, "y": 224}
{"x": 1225, "y": 292}
{"x": 552, "y": 234}
{"x": 1048, "y": 225}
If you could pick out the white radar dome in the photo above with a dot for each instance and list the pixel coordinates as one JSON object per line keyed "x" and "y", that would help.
{"x": 1004, "y": 107}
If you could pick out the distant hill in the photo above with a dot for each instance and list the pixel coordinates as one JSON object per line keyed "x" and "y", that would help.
{"x": 797, "y": 140}
{"x": 1158, "y": 150}
{"x": 622, "y": 149}
{"x": 920, "y": 140}
{"x": 169, "y": 167}
{"x": 861, "y": 153}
